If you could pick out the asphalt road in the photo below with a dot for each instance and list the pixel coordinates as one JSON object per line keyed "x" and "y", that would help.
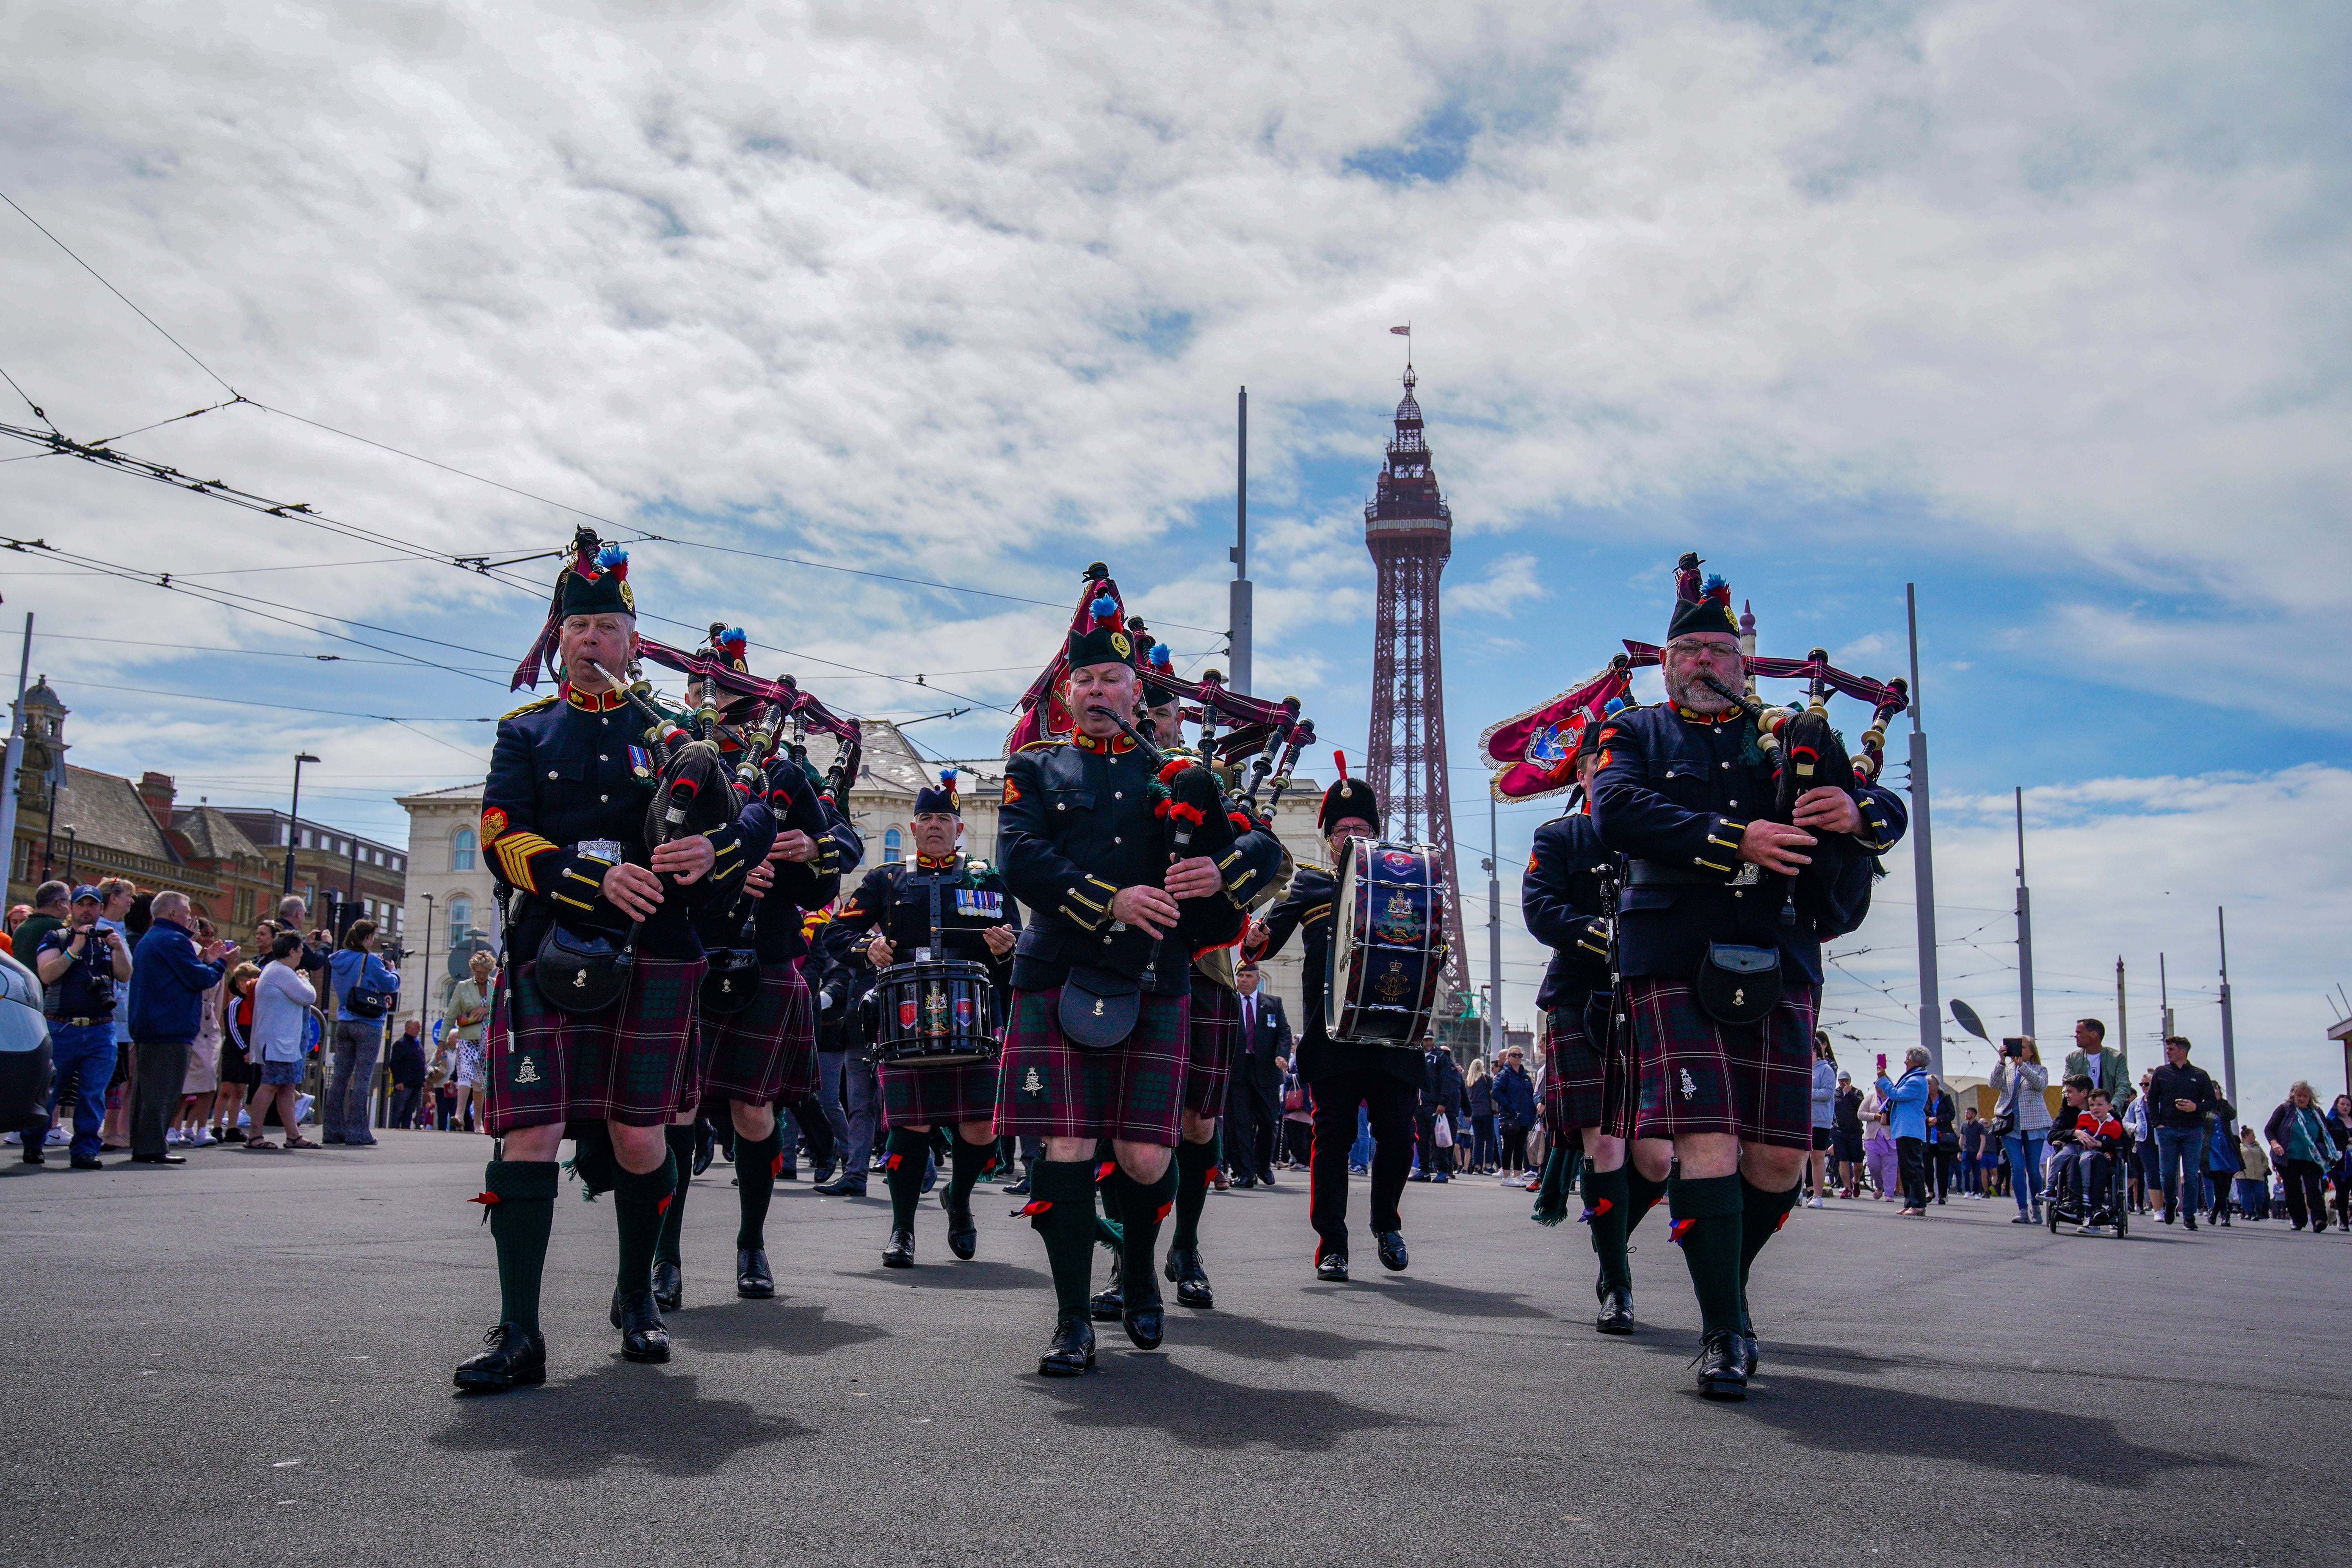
{"x": 246, "y": 1360}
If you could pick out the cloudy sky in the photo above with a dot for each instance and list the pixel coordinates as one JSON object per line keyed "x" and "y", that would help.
{"x": 2039, "y": 307}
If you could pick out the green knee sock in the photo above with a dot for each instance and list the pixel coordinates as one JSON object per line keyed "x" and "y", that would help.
{"x": 1196, "y": 1166}
{"x": 1707, "y": 1222}
{"x": 1642, "y": 1195}
{"x": 1606, "y": 1209}
{"x": 673, "y": 1220}
{"x": 755, "y": 1171}
{"x": 1552, "y": 1192}
{"x": 964, "y": 1169}
{"x": 638, "y": 1203}
{"x": 520, "y": 1223}
{"x": 1062, "y": 1207}
{"x": 1144, "y": 1205}
{"x": 1761, "y": 1214}
{"x": 902, "y": 1172}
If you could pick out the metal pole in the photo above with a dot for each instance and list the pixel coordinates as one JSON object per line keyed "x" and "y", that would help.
{"x": 2024, "y": 924}
{"x": 2229, "y": 1030}
{"x": 1923, "y": 859}
{"x": 294, "y": 819}
{"x": 1240, "y": 611}
{"x": 15, "y": 760}
{"x": 73, "y": 836}
{"x": 425, "y": 981}
{"x": 2164, "y": 997}
{"x": 1493, "y": 930}
{"x": 2123, "y": 1027}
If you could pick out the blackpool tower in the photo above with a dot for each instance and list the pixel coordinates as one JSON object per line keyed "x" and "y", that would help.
{"x": 1410, "y": 531}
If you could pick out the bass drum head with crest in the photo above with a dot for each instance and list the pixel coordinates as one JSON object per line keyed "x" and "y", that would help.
{"x": 936, "y": 1013}
{"x": 1388, "y": 945}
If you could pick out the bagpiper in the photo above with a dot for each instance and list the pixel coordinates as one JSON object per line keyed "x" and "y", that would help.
{"x": 954, "y": 904}
{"x": 564, "y": 826}
{"x": 1719, "y": 938}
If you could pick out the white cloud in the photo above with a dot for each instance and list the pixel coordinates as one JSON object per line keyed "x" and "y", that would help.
{"x": 1509, "y": 582}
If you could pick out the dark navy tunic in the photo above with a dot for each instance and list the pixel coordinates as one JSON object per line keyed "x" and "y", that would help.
{"x": 1561, "y": 900}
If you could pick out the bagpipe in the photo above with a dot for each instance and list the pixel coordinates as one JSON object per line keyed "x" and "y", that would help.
{"x": 783, "y": 708}
{"x": 1269, "y": 736}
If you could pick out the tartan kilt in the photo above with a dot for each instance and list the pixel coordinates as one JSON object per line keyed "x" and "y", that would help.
{"x": 632, "y": 1063}
{"x": 938, "y": 1096}
{"x": 1754, "y": 1081}
{"x": 1048, "y": 1088}
{"x": 1212, "y": 1033}
{"x": 1575, "y": 1077}
{"x": 767, "y": 1052}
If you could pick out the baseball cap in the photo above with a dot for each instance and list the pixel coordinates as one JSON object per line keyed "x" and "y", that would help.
{"x": 87, "y": 891}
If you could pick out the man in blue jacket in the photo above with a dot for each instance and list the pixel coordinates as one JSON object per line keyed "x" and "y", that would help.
{"x": 168, "y": 981}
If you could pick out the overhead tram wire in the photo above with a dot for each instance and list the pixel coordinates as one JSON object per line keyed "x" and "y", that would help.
{"x": 214, "y": 648}
{"x": 119, "y": 294}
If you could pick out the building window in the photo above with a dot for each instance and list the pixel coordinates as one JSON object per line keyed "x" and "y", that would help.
{"x": 398, "y": 864}
{"x": 890, "y": 847}
{"x": 461, "y": 920}
{"x": 461, "y": 851}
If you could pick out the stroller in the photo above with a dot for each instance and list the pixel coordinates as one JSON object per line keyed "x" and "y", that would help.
{"x": 2069, "y": 1203}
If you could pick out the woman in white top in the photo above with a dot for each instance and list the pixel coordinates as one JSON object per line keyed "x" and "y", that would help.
{"x": 2018, "y": 1082}
{"x": 202, "y": 1080}
{"x": 282, "y": 1001}
{"x": 470, "y": 1011}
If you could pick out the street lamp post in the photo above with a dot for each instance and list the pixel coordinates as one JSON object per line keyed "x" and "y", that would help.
{"x": 294, "y": 819}
{"x": 424, "y": 980}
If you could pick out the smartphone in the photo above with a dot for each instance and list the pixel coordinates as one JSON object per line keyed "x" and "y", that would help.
{"x": 1882, "y": 1062}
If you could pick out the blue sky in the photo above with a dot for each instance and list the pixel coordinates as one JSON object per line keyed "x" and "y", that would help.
{"x": 2039, "y": 308}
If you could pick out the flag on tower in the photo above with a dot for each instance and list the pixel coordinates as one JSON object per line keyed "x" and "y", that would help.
{"x": 1403, "y": 332}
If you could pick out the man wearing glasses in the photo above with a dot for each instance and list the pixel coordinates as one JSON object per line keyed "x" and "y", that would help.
{"x": 1721, "y": 963}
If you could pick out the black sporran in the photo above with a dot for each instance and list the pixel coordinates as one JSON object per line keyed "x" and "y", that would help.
{"x": 1737, "y": 984}
{"x": 731, "y": 982}
{"x": 1098, "y": 1008}
{"x": 583, "y": 972}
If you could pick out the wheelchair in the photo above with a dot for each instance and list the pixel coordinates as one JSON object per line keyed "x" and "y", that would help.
{"x": 2073, "y": 1204}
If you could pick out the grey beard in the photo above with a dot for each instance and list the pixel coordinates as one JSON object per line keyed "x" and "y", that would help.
{"x": 1689, "y": 692}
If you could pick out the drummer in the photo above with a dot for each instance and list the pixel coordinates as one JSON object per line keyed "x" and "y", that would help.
{"x": 946, "y": 901}
{"x": 1342, "y": 1075}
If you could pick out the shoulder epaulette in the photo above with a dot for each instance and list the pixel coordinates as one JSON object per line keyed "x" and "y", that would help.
{"x": 1036, "y": 745}
{"x": 1314, "y": 865}
{"x": 533, "y": 706}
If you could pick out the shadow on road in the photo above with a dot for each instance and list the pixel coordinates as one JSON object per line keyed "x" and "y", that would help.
{"x": 783, "y": 1327}
{"x": 1152, "y": 1393}
{"x": 1848, "y": 1417}
{"x": 1452, "y": 1300}
{"x": 623, "y": 1416}
{"x": 1253, "y": 1339}
{"x": 980, "y": 1274}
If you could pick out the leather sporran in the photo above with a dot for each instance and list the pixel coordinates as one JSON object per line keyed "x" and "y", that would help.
{"x": 1098, "y": 1008}
{"x": 731, "y": 982}
{"x": 1736, "y": 984}
{"x": 583, "y": 972}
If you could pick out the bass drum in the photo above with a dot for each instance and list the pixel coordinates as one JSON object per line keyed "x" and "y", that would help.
{"x": 936, "y": 1013}
{"x": 1388, "y": 945}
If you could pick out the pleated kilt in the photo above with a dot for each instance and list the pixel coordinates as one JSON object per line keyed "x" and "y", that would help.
{"x": 767, "y": 1052}
{"x": 1048, "y": 1088}
{"x": 938, "y": 1096}
{"x": 1213, "y": 1033}
{"x": 1754, "y": 1081}
{"x": 1576, "y": 1075}
{"x": 630, "y": 1063}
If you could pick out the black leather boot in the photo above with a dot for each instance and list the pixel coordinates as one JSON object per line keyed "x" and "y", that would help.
{"x": 1192, "y": 1287}
{"x": 643, "y": 1336}
{"x": 1720, "y": 1376}
{"x": 670, "y": 1285}
{"x": 511, "y": 1357}
{"x": 752, "y": 1278}
{"x": 1144, "y": 1319}
{"x": 900, "y": 1252}
{"x": 1616, "y": 1311}
{"x": 963, "y": 1235}
{"x": 1071, "y": 1351}
{"x": 1110, "y": 1303}
{"x": 1331, "y": 1267}
{"x": 1392, "y": 1257}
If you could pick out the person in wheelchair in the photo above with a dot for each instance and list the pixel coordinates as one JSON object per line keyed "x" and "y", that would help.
{"x": 2086, "y": 1137}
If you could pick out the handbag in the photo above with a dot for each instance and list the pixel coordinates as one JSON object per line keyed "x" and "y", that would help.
{"x": 1737, "y": 984}
{"x": 1098, "y": 1008}
{"x": 368, "y": 1002}
{"x": 2004, "y": 1122}
{"x": 583, "y": 972}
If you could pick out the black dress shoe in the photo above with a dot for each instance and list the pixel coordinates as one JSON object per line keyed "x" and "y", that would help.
{"x": 1191, "y": 1279}
{"x": 848, "y": 1184}
{"x": 1392, "y": 1256}
{"x": 1748, "y": 1355}
{"x": 33, "y": 1155}
{"x": 1719, "y": 1372}
{"x": 1616, "y": 1312}
{"x": 1243, "y": 1183}
{"x": 963, "y": 1236}
{"x": 1332, "y": 1267}
{"x": 1108, "y": 1305}
{"x": 900, "y": 1252}
{"x": 85, "y": 1162}
{"x": 1144, "y": 1319}
{"x": 512, "y": 1356}
{"x": 1018, "y": 1189}
{"x": 670, "y": 1285}
{"x": 157, "y": 1160}
{"x": 752, "y": 1280}
{"x": 1266, "y": 1179}
{"x": 1071, "y": 1351}
{"x": 643, "y": 1336}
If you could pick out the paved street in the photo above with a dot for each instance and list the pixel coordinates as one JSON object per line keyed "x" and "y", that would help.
{"x": 247, "y": 1360}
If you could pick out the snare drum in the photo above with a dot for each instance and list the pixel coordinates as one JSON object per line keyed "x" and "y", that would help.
{"x": 936, "y": 1013}
{"x": 1388, "y": 945}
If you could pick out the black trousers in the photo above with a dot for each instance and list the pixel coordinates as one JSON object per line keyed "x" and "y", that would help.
{"x": 1945, "y": 1154}
{"x": 155, "y": 1094}
{"x": 1911, "y": 1159}
{"x": 1249, "y": 1127}
{"x": 2305, "y": 1204}
{"x": 1389, "y": 1103}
